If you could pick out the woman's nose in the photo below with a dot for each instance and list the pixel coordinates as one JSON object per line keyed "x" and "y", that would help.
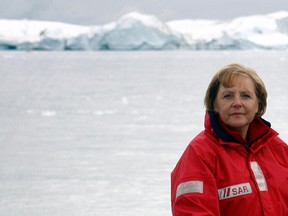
{"x": 237, "y": 102}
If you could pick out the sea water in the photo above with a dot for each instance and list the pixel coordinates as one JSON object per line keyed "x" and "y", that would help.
{"x": 98, "y": 133}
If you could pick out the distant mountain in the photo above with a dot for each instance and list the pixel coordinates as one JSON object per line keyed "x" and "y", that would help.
{"x": 136, "y": 31}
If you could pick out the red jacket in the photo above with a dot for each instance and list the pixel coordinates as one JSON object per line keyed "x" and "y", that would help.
{"x": 219, "y": 175}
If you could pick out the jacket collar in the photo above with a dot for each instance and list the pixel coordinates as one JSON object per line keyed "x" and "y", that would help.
{"x": 257, "y": 129}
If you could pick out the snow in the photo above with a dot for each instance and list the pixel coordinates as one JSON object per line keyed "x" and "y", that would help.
{"x": 135, "y": 31}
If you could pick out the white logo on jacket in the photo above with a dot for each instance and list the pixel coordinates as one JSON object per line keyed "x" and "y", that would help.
{"x": 234, "y": 191}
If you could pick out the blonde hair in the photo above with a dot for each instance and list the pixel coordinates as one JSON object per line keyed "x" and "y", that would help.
{"x": 226, "y": 75}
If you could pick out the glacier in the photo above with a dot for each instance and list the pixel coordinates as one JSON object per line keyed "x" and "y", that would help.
{"x": 136, "y": 31}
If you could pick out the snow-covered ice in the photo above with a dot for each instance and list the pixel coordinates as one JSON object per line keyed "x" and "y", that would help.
{"x": 135, "y": 31}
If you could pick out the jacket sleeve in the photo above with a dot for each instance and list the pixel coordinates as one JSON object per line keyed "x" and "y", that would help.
{"x": 193, "y": 186}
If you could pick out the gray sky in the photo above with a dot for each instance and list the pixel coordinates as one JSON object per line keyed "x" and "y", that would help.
{"x": 98, "y": 12}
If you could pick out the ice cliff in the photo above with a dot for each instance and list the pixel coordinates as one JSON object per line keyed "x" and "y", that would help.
{"x": 136, "y": 31}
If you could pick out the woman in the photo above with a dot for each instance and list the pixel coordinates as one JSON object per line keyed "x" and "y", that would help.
{"x": 238, "y": 165}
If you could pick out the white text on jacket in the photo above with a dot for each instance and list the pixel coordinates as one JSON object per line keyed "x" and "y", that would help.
{"x": 234, "y": 191}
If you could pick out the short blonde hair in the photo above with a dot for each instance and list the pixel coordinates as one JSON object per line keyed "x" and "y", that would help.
{"x": 226, "y": 75}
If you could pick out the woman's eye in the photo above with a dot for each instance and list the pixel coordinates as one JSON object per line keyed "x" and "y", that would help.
{"x": 246, "y": 96}
{"x": 228, "y": 96}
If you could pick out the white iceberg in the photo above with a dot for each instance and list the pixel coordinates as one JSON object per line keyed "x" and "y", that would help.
{"x": 136, "y": 31}
{"x": 140, "y": 32}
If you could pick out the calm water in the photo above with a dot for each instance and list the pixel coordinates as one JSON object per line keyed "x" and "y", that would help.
{"x": 98, "y": 133}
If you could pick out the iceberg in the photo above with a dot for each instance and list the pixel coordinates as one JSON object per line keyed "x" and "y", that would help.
{"x": 135, "y": 31}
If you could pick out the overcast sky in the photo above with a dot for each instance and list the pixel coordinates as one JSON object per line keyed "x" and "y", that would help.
{"x": 98, "y": 12}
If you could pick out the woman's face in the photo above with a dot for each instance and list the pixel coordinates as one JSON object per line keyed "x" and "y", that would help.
{"x": 237, "y": 105}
